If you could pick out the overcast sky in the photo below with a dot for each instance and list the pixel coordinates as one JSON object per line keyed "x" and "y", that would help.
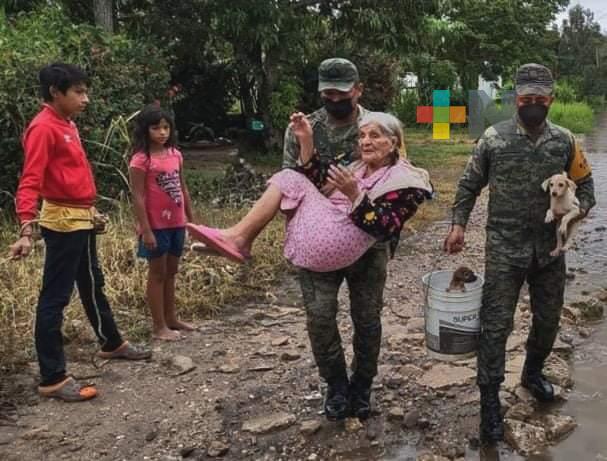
{"x": 598, "y": 7}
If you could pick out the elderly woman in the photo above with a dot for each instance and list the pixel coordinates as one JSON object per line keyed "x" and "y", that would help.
{"x": 368, "y": 202}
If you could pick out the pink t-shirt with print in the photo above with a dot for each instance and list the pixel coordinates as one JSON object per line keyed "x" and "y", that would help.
{"x": 163, "y": 191}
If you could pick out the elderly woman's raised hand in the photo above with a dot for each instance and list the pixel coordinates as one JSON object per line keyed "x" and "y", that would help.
{"x": 300, "y": 127}
{"x": 302, "y": 130}
{"x": 342, "y": 179}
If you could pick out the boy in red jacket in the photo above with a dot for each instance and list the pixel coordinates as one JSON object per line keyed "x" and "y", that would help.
{"x": 57, "y": 170}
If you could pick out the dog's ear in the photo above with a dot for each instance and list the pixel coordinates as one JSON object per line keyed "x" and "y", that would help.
{"x": 572, "y": 185}
{"x": 545, "y": 185}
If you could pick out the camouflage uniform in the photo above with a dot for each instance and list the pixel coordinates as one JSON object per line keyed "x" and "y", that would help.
{"x": 518, "y": 241}
{"x": 329, "y": 141}
{"x": 365, "y": 278}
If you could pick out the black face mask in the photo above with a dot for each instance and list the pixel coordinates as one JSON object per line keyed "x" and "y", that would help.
{"x": 533, "y": 115}
{"x": 339, "y": 109}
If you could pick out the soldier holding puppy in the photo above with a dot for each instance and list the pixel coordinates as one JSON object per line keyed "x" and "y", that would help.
{"x": 513, "y": 158}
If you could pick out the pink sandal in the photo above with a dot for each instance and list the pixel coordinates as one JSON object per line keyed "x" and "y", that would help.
{"x": 213, "y": 239}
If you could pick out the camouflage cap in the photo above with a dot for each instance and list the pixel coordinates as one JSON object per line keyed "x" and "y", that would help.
{"x": 337, "y": 74}
{"x": 534, "y": 79}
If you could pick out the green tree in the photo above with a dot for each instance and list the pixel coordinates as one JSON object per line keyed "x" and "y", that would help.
{"x": 273, "y": 46}
{"x": 125, "y": 75}
{"x": 582, "y": 54}
{"x": 493, "y": 38}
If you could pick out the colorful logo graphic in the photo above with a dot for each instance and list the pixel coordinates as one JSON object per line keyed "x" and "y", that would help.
{"x": 441, "y": 114}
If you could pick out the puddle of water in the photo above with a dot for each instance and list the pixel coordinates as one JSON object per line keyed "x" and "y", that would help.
{"x": 588, "y": 401}
{"x": 503, "y": 453}
{"x": 588, "y": 405}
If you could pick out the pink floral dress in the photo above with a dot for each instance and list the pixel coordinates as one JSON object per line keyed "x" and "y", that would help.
{"x": 328, "y": 233}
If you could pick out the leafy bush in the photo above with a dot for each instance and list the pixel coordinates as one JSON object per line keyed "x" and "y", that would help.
{"x": 404, "y": 107}
{"x": 596, "y": 102}
{"x": 576, "y": 116}
{"x": 125, "y": 74}
{"x": 565, "y": 92}
{"x": 283, "y": 102}
{"x": 378, "y": 72}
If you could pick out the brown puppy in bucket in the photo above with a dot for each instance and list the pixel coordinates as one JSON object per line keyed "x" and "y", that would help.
{"x": 461, "y": 276}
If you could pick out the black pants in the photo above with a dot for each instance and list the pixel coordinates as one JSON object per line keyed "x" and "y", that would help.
{"x": 70, "y": 257}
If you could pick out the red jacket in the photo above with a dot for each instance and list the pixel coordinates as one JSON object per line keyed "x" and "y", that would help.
{"x": 55, "y": 166}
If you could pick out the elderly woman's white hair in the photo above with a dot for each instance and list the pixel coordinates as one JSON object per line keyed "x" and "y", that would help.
{"x": 389, "y": 125}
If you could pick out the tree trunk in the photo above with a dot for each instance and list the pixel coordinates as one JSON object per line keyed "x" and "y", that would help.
{"x": 104, "y": 14}
{"x": 273, "y": 139}
{"x": 245, "y": 86}
{"x": 468, "y": 79}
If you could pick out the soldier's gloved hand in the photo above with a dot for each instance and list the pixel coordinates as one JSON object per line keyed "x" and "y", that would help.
{"x": 454, "y": 243}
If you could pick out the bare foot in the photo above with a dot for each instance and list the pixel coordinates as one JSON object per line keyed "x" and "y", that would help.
{"x": 243, "y": 245}
{"x": 166, "y": 334}
{"x": 181, "y": 325}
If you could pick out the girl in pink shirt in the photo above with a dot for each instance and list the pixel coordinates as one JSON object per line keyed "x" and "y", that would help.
{"x": 162, "y": 207}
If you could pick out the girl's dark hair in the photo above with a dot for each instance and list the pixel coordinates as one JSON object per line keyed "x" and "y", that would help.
{"x": 62, "y": 76}
{"x": 151, "y": 115}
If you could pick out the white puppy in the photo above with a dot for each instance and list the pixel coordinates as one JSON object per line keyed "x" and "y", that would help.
{"x": 564, "y": 208}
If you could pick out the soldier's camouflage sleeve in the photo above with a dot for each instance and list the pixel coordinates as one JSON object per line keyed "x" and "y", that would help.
{"x": 290, "y": 151}
{"x": 579, "y": 171}
{"x": 585, "y": 193}
{"x": 475, "y": 177}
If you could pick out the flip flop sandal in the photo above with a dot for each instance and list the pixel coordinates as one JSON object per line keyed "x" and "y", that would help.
{"x": 213, "y": 239}
{"x": 126, "y": 351}
{"x": 68, "y": 390}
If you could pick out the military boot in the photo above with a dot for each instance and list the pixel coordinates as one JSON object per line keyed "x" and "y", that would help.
{"x": 492, "y": 425}
{"x": 360, "y": 397}
{"x": 533, "y": 380}
{"x": 336, "y": 399}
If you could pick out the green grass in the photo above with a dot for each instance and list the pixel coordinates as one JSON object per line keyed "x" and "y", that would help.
{"x": 204, "y": 284}
{"x": 576, "y": 116}
{"x": 432, "y": 154}
{"x": 445, "y": 162}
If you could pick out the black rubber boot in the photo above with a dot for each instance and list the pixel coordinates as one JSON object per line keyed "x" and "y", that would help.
{"x": 360, "y": 397}
{"x": 492, "y": 425}
{"x": 534, "y": 381}
{"x": 336, "y": 399}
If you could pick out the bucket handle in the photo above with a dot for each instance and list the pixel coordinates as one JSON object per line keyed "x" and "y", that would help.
{"x": 442, "y": 253}
{"x": 427, "y": 284}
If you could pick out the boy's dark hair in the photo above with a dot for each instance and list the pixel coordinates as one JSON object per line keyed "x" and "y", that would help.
{"x": 151, "y": 115}
{"x": 62, "y": 77}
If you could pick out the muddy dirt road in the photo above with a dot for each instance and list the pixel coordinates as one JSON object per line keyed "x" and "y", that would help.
{"x": 245, "y": 387}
